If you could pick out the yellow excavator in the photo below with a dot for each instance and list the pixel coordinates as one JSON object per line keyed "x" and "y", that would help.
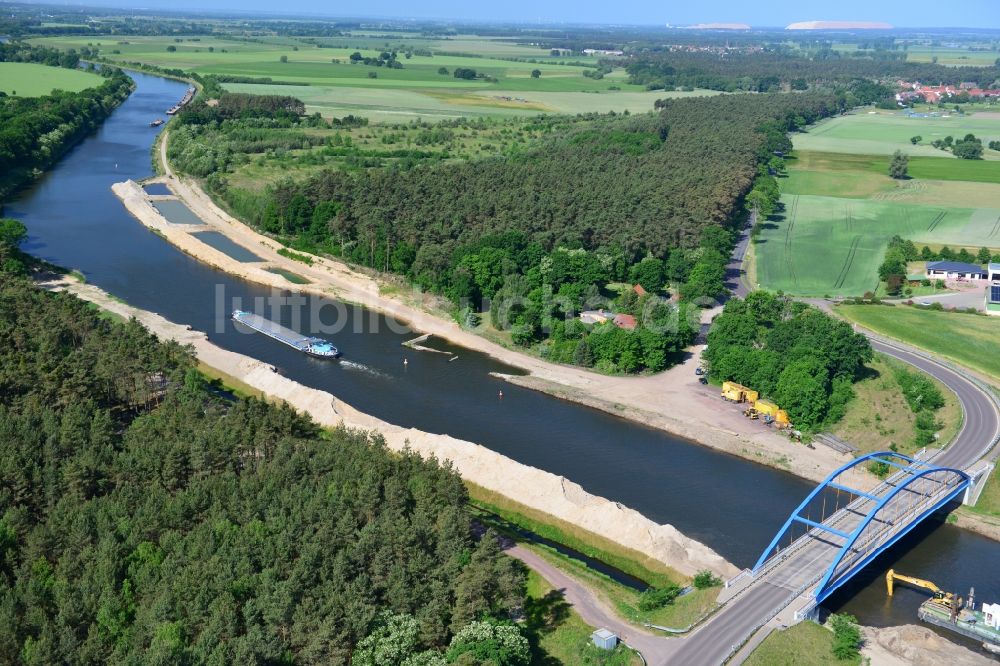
{"x": 944, "y": 599}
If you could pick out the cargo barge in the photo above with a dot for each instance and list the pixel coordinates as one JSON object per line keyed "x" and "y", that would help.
{"x": 317, "y": 347}
{"x": 188, "y": 96}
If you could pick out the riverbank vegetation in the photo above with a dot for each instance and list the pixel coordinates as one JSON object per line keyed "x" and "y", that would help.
{"x": 642, "y": 205}
{"x": 676, "y": 603}
{"x": 802, "y": 358}
{"x": 37, "y": 131}
{"x": 803, "y": 644}
{"x": 594, "y": 546}
{"x": 200, "y": 527}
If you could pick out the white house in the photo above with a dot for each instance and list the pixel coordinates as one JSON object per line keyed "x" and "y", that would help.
{"x": 954, "y": 270}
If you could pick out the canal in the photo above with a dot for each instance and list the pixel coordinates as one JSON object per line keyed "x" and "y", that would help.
{"x": 728, "y": 503}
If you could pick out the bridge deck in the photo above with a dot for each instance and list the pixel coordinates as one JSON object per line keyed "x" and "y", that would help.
{"x": 801, "y": 566}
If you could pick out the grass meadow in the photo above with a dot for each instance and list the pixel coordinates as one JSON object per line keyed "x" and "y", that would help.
{"x": 334, "y": 86}
{"x": 26, "y": 79}
{"x": 936, "y": 331}
{"x": 840, "y": 208}
{"x": 884, "y": 132}
{"x": 803, "y": 644}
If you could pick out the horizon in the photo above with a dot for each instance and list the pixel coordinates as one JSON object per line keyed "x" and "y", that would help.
{"x": 901, "y": 15}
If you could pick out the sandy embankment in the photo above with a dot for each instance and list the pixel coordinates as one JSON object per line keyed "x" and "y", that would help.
{"x": 913, "y": 645}
{"x": 672, "y": 401}
{"x": 532, "y": 487}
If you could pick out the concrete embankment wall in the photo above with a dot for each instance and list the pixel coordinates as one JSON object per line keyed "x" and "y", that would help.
{"x": 549, "y": 493}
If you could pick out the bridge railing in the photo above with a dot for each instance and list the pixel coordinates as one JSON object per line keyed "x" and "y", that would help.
{"x": 875, "y": 539}
{"x": 886, "y": 485}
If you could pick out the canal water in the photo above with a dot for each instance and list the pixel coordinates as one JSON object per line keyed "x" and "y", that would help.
{"x": 732, "y": 505}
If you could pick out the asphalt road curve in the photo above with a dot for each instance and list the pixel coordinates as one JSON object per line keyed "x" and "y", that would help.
{"x": 982, "y": 422}
{"x": 715, "y": 640}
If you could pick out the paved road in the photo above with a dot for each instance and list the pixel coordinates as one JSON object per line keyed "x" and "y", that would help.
{"x": 715, "y": 640}
{"x": 982, "y": 422}
{"x": 777, "y": 587}
{"x": 734, "y": 269}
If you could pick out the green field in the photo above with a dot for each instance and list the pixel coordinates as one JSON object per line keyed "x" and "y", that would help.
{"x": 936, "y": 332}
{"x": 26, "y": 79}
{"x": 335, "y": 86}
{"x": 825, "y": 245}
{"x": 879, "y": 418}
{"x": 840, "y": 207}
{"x": 395, "y": 104}
{"x": 951, "y": 56}
{"x": 804, "y": 644}
{"x": 884, "y": 132}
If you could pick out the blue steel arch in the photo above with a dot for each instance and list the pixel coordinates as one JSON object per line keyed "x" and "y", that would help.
{"x": 825, "y": 587}
{"x": 829, "y": 482}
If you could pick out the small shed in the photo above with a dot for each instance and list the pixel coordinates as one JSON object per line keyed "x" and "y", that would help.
{"x": 605, "y": 639}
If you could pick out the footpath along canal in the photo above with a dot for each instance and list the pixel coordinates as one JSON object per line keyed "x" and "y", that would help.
{"x": 731, "y": 505}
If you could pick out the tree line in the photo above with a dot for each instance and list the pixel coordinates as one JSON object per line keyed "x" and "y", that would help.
{"x": 147, "y": 518}
{"x": 36, "y": 131}
{"x": 802, "y": 358}
{"x": 616, "y": 192}
{"x": 770, "y": 71}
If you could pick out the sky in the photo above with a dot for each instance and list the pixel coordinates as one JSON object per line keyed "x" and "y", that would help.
{"x": 765, "y": 13}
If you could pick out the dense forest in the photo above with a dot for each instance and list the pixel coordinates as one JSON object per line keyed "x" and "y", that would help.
{"x": 542, "y": 231}
{"x": 146, "y": 519}
{"x": 768, "y": 71}
{"x": 801, "y": 357}
{"x": 36, "y": 131}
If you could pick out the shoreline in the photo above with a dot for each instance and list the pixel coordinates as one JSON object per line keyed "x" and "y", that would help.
{"x": 534, "y": 488}
{"x": 650, "y": 400}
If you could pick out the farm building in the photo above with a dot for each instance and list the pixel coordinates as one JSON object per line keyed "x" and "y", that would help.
{"x": 993, "y": 291}
{"x": 625, "y": 321}
{"x": 954, "y": 270}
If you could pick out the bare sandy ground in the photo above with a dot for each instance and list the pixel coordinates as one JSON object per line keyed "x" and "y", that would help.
{"x": 913, "y": 645}
{"x": 672, "y": 401}
{"x": 537, "y": 489}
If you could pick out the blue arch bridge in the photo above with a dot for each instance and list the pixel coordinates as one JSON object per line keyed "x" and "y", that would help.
{"x": 838, "y": 529}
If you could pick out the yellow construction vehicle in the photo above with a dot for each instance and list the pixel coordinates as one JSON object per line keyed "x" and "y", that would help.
{"x": 770, "y": 412}
{"x": 941, "y": 598}
{"x": 734, "y": 392}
